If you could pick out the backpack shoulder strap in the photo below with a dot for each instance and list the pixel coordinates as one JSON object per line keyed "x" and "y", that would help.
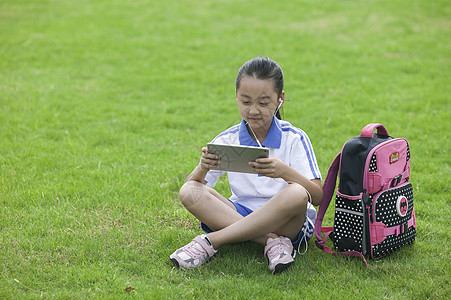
{"x": 328, "y": 191}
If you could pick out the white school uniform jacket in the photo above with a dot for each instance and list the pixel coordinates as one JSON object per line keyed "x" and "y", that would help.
{"x": 286, "y": 142}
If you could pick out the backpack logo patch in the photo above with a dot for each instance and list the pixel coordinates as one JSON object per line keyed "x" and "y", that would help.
{"x": 402, "y": 206}
{"x": 394, "y": 157}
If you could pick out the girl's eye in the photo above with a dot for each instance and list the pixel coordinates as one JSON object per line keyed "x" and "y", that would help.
{"x": 245, "y": 102}
{"x": 264, "y": 104}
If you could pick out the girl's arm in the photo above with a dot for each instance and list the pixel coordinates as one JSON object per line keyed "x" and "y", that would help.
{"x": 312, "y": 186}
{"x": 208, "y": 161}
{"x": 276, "y": 168}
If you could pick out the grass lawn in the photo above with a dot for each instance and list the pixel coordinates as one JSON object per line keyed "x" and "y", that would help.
{"x": 105, "y": 105}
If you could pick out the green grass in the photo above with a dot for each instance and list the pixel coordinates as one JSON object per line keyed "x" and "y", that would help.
{"x": 104, "y": 106}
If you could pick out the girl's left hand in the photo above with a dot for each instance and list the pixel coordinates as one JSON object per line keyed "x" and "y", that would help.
{"x": 270, "y": 167}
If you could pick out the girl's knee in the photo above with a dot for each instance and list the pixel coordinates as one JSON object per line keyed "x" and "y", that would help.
{"x": 298, "y": 196}
{"x": 191, "y": 193}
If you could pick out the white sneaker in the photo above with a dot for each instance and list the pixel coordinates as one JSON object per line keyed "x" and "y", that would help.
{"x": 197, "y": 252}
{"x": 279, "y": 252}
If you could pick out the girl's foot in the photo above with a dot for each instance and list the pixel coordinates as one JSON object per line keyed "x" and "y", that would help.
{"x": 194, "y": 254}
{"x": 279, "y": 252}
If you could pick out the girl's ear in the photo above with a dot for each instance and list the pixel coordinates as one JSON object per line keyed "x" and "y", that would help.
{"x": 281, "y": 99}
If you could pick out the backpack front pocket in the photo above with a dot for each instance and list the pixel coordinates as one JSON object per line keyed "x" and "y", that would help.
{"x": 348, "y": 233}
{"x": 393, "y": 221}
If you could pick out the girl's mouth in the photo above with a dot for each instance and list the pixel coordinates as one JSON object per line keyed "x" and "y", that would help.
{"x": 254, "y": 119}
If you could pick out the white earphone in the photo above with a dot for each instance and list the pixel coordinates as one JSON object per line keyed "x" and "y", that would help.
{"x": 280, "y": 105}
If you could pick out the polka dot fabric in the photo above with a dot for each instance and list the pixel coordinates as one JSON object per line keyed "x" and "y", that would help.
{"x": 373, "y": 164}
{"x": 385, "y": 212}
{"x": 348, "y": 224}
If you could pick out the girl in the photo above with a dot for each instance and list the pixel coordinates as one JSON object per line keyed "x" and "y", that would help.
{"x": 274, "y": 206}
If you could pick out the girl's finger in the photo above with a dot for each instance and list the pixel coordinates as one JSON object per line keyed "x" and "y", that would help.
{"x": 210, "y": 156}
{"x": 259, "y": 166}
{"x": 263, "y": 160}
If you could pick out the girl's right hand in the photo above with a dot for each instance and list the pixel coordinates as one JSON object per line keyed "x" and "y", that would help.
{"x": 208, "y": 161}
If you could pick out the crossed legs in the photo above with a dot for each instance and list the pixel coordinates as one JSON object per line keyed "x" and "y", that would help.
{"x": 282, "y": 215}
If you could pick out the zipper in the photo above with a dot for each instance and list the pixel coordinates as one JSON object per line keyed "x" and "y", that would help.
{"x": 366, "y": 225}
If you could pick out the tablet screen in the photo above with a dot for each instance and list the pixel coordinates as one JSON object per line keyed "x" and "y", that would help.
{"x": 236, "y": 158}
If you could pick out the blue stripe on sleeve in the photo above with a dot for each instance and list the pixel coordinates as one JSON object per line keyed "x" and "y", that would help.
{"x": 307, "y": 148}
{"x": 231, "y": 130}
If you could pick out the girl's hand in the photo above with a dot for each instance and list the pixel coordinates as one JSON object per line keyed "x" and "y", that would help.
{"x": 269, "y": 167}
{"x": 208, "y": 161}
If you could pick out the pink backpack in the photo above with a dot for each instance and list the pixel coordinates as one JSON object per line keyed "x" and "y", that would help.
{"x": 374, "y": 212}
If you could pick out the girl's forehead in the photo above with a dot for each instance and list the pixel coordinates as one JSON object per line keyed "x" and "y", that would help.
{"x": 255, "y": 84}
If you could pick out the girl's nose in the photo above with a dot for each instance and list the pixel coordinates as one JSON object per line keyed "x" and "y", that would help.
{"x": 254, "y": 110}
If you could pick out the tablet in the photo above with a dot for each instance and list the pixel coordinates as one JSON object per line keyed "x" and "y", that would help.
{"x": 236, "y": 158}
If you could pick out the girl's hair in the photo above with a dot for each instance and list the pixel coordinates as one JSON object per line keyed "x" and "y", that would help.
{"x": 262, "y": 68}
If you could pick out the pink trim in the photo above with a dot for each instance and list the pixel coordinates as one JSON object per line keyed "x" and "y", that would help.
{"x": 358, "y": 197}
{"x": 379, "y": 231}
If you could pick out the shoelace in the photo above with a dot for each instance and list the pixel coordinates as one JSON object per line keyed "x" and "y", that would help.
{"x": 194, "y": 249}
{"x": 275, "y": 250}
{"x": 304, "y": 239}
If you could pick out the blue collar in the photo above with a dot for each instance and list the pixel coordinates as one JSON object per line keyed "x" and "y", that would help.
{"x": 273, "y": 139}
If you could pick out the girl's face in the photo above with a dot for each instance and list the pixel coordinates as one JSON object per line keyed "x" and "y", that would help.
{"x": 257, "y": 102}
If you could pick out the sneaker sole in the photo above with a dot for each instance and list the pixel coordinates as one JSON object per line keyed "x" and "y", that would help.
{"x": 177, "y": 265}
{"x": 175, "y": 262}
{"x": 281, "y": 267}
